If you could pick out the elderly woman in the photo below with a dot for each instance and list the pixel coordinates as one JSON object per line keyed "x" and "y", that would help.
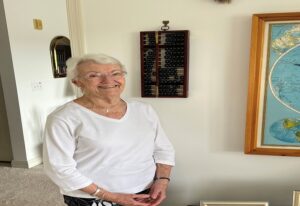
{"x": 101, "y": 149}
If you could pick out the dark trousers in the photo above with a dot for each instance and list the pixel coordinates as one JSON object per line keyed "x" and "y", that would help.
{"x": 76, "y": 201}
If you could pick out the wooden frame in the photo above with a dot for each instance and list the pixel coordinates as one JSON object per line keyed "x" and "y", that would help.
{"x": 296, "y": 198}
{"x": 60, "y": 51}
{"x": 158, "y": 79}
{"x": 258, "y": 82}
{"x": 233, "y": 203}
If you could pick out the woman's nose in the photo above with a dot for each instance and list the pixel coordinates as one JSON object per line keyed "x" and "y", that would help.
{"x": 107, "y": 78}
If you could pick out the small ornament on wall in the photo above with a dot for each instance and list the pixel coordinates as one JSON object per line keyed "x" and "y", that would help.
{"x": 165, "y": 26}
{"x": 60, "y": 51}
{"x": 37, "y": 24}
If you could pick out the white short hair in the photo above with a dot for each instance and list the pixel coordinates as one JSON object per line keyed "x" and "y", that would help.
{"x": 74, "y": 62}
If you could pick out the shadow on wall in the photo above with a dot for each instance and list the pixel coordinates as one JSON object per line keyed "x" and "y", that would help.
{"x": 5, "y": 144}
{"x": 70, "y": 89}
{"x": 36, "y": 127}
{"x": 37, "y": 117}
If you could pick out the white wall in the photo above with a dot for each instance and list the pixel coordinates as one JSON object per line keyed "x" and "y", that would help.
{"x": 30, "y": 55}
{"x": 207, "y": 128}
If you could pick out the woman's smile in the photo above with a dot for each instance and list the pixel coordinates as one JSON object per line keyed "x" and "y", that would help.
{"x": 109, "y": 86}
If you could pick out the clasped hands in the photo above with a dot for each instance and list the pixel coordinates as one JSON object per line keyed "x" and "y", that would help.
{"x": 156, "y": 195}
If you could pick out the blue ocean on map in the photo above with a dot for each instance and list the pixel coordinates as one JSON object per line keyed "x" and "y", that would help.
{"x": 286, "y": 130}
{"x": 285, "y": 79}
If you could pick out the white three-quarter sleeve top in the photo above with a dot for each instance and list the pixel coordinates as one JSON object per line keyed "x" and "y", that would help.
{"x": 82, "y": 147}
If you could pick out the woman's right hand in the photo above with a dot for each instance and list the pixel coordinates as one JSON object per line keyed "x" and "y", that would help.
{"x": 128, "y": 199}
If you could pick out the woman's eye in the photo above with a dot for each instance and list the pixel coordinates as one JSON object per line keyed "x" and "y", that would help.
{"x": 116, "y": 74}
{"x": 92, "y": 76}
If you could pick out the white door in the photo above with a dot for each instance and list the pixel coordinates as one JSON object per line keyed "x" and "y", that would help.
{"x": 5, "y": 145}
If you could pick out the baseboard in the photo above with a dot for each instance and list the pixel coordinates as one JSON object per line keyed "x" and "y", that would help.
{"x": 5, "y": 164}
{"x": 27, "y": 164}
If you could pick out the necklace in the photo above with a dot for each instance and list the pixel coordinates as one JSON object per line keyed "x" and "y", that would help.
{"x": 115, "y": 111}
{"x": 115, "y": 108}
{"x": 107, "y": 109}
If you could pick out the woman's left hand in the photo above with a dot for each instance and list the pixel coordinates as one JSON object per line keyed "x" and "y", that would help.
{"x": 158, "y": 191}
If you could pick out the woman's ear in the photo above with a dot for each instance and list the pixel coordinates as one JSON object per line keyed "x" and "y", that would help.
{"x": 76, "y": 82}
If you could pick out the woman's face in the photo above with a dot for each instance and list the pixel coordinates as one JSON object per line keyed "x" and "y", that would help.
{"x": 100, "y": 80}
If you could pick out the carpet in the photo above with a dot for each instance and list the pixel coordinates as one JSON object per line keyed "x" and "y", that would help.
{"x": 27, "y": 187}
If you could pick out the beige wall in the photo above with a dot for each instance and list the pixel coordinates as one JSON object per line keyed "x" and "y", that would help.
{"x": 5, "y": 145}
{"x": 207, "y": 129}
{"x": 10, "y": 94}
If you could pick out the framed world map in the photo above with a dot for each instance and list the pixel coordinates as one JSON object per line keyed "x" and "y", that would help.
{"x": 273, "y": 111}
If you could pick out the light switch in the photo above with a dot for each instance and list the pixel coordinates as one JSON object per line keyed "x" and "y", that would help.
{"x": 37, "y": 24}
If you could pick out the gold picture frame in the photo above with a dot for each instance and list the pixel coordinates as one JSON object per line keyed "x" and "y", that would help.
{"x": 258, "y": 133}
{"x": 296, "y": 198}
{"x": 233, "y": 203}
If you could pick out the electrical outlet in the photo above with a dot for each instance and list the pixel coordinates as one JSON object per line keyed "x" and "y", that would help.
{"x": 37, "y": 86}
